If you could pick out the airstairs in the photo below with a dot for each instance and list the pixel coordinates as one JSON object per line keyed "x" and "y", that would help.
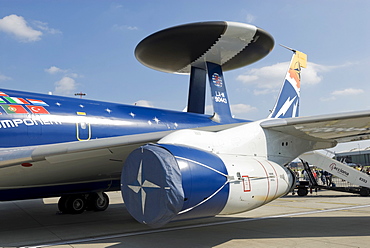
{"x": 352, "y": 180}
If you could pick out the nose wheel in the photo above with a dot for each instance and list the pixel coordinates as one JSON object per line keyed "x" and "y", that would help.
{"x": 77, "y": 204}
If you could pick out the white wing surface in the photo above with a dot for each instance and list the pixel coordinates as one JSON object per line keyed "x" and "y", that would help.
{"x": 339, "y": 128}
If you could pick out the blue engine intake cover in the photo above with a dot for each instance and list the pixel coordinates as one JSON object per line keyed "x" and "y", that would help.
{"x": 151, "y": 185}
{"x": 164, "y": 182}
{"x": 204, "y": 182}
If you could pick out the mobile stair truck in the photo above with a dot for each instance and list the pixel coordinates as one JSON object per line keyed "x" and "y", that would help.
{"x": 349, "y": 179}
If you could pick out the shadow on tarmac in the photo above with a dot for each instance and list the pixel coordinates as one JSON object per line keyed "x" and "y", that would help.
{"x": 280, "y": 232}
{"x": 31, "y": 222}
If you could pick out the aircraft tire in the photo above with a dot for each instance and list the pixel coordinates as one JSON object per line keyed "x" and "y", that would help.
{"x": 364, "y": 192}
{"x": 302, "y": 191}
{"x": 62, "y": 204}
{"x": 72, "y": 204}
{"x": 95, "y": 203}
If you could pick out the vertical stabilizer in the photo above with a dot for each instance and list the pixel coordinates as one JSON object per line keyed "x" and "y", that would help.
{"x": 287, "y": 104}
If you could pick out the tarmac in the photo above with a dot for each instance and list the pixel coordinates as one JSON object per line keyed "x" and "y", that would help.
{"x": 322, "y": 219}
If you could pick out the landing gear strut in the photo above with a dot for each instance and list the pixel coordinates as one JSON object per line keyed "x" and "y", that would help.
{"x": 97, "y": 202}
{"x": 77, "y": 204}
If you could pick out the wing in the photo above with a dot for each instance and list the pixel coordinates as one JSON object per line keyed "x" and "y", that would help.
{"x": 339, "y": 128}
{"x": 79, "y": 150}
{"x": 75, "y": 150}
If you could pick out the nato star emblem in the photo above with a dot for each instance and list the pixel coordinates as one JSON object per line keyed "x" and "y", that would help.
{"x": 142, "y": 185}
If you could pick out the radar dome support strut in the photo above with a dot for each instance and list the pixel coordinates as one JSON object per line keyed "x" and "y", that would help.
{"x": 197, "y": 90}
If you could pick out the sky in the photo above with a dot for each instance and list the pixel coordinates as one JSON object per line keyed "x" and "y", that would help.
{"x": 72, "y": 46}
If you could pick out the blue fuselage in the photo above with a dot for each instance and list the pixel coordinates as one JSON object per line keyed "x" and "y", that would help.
{"x": 31, "y": 119}
{"x": 36, "y": 119}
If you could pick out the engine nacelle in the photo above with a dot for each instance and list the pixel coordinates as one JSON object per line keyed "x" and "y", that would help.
{"x": 161, "y": 183}
{"x": 257, "y": 182}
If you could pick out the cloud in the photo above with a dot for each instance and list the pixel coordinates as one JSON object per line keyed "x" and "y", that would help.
{"x": 67, "y": 72}
{"x": 347, "y": 92}
{"x": 343, "y": 93}
{"x": 236, "y": 109}
{"x": 242, "y": 108}
{"x": 144, "y": 103}
{"x": 116, "y": 6}
{"x": 4, "y": 78}
{"x": 117, "y": 27}
{"x": 44, "y": 27}
{"x": 65, "y": 86}
{"x": 54, "y": 70}
{"x": 74, "y": 75}
{"x": 268, "y": 79}
{"x": 19, "y": 28}
{"x": 250, "y": 18}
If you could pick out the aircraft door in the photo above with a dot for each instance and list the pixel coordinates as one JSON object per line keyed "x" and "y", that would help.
{"x": 83, "y": 127}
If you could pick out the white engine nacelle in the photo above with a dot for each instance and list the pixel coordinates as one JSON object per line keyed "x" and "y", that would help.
{"x": 257, "y": 182}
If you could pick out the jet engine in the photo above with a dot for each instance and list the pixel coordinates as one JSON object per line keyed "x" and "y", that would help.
{"x": 162, "y": 183}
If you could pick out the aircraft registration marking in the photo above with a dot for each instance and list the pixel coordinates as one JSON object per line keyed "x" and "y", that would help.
{"x": 220, "y": 97}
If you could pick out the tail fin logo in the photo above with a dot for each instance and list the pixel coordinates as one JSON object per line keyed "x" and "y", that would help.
{"x": 287, "y": 104}
{"x": 299, "y": 61}
{"x": 295, "y": 74}
{"x": 217, "y": 80}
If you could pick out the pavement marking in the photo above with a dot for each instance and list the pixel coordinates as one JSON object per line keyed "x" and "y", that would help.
{"x": 278, "y": 205}
{"x": 191, "y": 226}
{"x": 340, "y": 203}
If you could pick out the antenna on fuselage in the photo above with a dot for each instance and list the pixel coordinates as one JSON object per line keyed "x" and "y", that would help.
{"x": 80, "y": 94}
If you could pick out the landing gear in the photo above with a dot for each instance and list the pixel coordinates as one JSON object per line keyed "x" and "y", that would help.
{"x": 72, "y": 204}
{"x": 302, "y": 191}
{"x": 77, "y": 204}
{"x": 97, "y": 201}
{"x": 364, "y": 191}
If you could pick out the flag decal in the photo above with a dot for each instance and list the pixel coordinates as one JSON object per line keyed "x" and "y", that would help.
{"x": 16, "y": 100}
{"x": 37, "y": 102}
{"x": 37, "y": 109}
{"x": 18, "y": 105}
{"x": 14, "y": 109}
